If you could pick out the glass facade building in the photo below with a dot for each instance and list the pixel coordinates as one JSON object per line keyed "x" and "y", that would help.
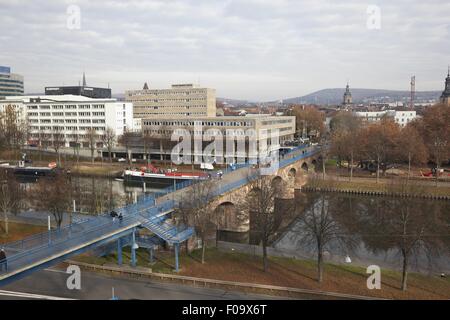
{"x": 11, "y": 84}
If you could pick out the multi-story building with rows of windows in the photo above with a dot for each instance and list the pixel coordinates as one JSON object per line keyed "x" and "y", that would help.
{"x": 183, "y": 100}
{"x": 11, "y": 84}
{"x": 257, "y": 128}
{"x": 71, "y": 116}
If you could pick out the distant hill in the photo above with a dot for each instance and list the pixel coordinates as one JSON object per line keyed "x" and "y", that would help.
{"x": 234, "y": 102}
{"x": 334, "y": 96}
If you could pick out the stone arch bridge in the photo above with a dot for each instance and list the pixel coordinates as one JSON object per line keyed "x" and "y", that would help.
{"x": 286, "y": 179}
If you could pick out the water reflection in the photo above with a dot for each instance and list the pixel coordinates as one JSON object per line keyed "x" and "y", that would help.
{"x": 370, "y": 230}
{"x": 95, "y": 195}
{"x": 383, "y": 230}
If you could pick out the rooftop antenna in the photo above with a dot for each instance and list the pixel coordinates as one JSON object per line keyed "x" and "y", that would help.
{"x": 413, "y": 91}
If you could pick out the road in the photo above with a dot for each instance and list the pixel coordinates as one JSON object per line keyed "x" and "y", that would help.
{"x": 51, "y": 284}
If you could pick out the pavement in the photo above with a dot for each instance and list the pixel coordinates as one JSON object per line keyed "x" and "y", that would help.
{"x": 50, "y": 284}
{"x": 415, "y": 180}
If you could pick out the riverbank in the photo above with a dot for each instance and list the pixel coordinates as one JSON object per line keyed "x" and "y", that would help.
{"x": 18, "y": 231}
{"x": 388, "y": 187}
{"x": 286, "y": 272}
{"x": 96, "y": 170}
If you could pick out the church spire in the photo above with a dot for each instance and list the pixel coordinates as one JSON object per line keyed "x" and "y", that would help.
{"x": 84, "y": 80}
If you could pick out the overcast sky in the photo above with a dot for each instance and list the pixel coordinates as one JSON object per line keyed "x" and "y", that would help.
{"x": 249, "y": 49}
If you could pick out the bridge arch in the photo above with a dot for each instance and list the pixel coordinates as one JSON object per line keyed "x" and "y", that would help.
{"x": 292, "y": 174}
{"x": 227, "y": 215}
{"x": 278, "y": 184}
{"x": 305, "y": 166}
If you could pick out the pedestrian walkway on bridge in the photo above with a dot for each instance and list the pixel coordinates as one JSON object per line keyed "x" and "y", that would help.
{"x": 45, "y": 249}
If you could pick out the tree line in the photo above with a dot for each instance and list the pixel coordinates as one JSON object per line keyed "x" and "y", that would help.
{"x": 382, "y": 143}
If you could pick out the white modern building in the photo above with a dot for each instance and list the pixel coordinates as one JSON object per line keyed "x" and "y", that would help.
{"x": 402, "y": 118}
{"x": 71, "y": 116}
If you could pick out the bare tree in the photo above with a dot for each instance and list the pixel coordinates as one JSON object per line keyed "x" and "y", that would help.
{"x": 11, "y": 127}
{"x": 309, "y": 121}
{"x": 405, "y": 226}
{"x": 91, "y": 136}
{"x": 109, "y": 140}
{"x": 76, "y": 145}
{"x": 195, "y": 209}
{"x": 345, "y": 144}
{"x": 411, "y": 147}
{"x": 316, "y": 227}
{"x": 53, "y": 194}
{"x": 147, "y": 139}
{"x": 125, "y": 139}
{"x": 380, "y": 143}
{"x": 435, "y": 131}
{"x": 11, "y": 196}
{"x": 58, "y": 142}
{"x": 260, "y": 203}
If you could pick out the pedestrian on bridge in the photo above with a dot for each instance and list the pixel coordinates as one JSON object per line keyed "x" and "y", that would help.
{"x": 3, "y": 260}
{"x": 113, "y": 214}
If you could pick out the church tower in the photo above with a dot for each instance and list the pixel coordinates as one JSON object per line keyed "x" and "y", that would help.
{"x": 445, "y": 97}
{"x": 347, "y": 101}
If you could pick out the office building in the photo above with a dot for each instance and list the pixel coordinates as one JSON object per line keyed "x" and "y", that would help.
{"x": 184, "y": 100}
{"x": 262, "y": 126}
{"x": 83, "y": 90}
{"x": 11, "y": 84}
{"x": 71, "y": 116}
{"x": 401, "y": 117}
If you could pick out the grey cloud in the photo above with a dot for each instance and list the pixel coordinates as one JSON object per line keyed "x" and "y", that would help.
{"x": 254, "y": 49}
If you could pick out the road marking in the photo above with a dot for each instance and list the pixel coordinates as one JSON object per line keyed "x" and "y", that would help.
{"x": 30, "y": 295}
{"x": 55, "y": 270}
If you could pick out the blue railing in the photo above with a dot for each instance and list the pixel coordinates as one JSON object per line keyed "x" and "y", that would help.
{"x": 145, "y": 212}
{"x": 56, "y": 242}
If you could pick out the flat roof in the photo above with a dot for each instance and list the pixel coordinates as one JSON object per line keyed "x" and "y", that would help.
{"x": 58, "y": 98}
{"x": 224, "y": 118}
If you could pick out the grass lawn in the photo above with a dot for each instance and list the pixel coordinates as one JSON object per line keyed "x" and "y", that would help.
{"x": 18, "y": 231}
{"x": 288, "y": 272}
{"x": 383, "y": 186}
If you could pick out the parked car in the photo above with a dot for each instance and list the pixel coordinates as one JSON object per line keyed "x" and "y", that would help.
{"x": 121, "y": 160}
{"x": 206, "y": 166}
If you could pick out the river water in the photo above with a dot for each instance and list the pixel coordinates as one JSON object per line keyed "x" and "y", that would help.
{"x": 368, "y": 230}
{"x": 371, "y": 224}
{"x": 365, "y": 230}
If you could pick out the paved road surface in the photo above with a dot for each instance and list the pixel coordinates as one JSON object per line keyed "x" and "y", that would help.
{"x": 51, "y": 284}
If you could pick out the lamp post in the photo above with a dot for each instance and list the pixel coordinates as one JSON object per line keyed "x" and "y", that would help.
{"x": 49, "y": 230}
